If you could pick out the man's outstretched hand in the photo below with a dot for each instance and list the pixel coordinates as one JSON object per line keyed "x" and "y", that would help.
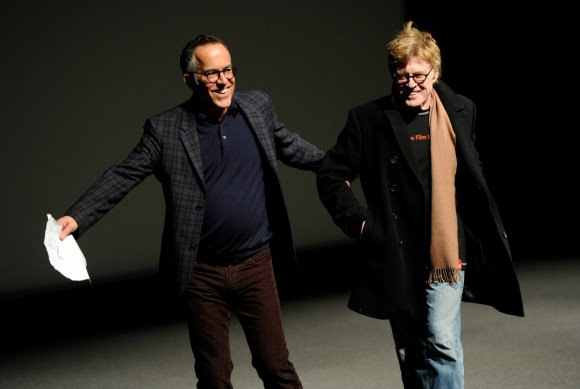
{"x": 69, "y": 225}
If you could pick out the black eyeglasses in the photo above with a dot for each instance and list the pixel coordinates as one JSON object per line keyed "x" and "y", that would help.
{"x": 418, "y": 78}
{"x": 214, "y": 75}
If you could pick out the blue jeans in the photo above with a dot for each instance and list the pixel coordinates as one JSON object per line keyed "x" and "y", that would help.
{"x": 429, "y": 350}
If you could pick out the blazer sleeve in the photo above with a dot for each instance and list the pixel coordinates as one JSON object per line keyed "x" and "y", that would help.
{"x": 117, "y": 181}
{"x": 291, "y": 149}
{"x": 342, "y": 164}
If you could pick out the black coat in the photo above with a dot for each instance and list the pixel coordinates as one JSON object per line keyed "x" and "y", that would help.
{"x": 394, "y": 252}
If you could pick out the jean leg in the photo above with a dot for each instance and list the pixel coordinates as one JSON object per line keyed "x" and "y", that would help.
{"x": 444, "y": 351}
{"x": 409, "y": 340}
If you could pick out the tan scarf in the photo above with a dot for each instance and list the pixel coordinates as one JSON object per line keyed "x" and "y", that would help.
{"x": 444, "y": 250}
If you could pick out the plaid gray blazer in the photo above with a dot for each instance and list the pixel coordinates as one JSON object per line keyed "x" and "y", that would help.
{"x": 169, "y": 149}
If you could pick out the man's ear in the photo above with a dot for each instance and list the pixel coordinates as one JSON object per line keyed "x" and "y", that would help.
{"x": 188, "y": 80}
{"x": 436, "y": 78}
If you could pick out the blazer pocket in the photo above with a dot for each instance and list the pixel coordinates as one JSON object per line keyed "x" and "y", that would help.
{"x": 367, "y": 232}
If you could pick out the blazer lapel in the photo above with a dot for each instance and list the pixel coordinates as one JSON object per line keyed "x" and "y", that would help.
{"x": 258, "y": 127}
{"x": 191, "y": 143}
{"x": 461, "y": 123}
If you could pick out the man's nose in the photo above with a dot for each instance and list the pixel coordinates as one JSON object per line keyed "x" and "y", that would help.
{"x": 222, "y": 79}
{"x": 411, "y": 83}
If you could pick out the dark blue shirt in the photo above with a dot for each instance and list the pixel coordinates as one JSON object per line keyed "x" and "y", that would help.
{"x": 236, "y": 222}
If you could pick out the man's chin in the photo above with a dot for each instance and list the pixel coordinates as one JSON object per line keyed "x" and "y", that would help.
{"x": 221, "y": 104}
{"x": 224, "y": 100}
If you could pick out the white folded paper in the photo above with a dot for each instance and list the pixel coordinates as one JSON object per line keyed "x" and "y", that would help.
{"x": 64, "y": 255}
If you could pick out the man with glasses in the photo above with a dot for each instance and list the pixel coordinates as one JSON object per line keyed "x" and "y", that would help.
{"x": 215, "y": 156}
{"x": 429, "y": 217}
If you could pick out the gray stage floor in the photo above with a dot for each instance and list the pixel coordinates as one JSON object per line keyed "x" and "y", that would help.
{"x": 330, "y": 346}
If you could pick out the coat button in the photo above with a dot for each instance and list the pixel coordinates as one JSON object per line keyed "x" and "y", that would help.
{"x": 192, "y": 247}
{"x": 400, "y": 243}
{"x": 395, "y": 217}
{"x": 198, "y": 207}
{"x": 394, "y": 159}
{"x": 504, "y": 234}
{"x": 393, "y": 188}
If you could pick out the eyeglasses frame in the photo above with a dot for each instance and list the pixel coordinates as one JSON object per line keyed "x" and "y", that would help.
{"x": 217, "y": 72}
{"x": 408, "y": 77}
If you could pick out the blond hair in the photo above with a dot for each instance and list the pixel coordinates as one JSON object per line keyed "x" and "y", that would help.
{"x": 411, "y": 42}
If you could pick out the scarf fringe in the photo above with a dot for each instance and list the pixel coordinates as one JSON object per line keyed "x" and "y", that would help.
{"x": 441, "y": 276}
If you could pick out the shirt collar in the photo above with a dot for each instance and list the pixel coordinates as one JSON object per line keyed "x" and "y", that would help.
{"x": 203, "y": 118}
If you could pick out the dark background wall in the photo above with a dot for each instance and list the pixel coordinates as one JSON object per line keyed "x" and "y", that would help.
{"x": 79, "y": 78}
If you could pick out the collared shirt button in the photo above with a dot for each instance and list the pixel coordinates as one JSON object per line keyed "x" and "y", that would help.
{"x": 192, "y": 247}
{"x": 395, "y": 217}
{"x": 198, "y": 207}
{"x": 400, "y": 243}
{"x": 393, "y": 188}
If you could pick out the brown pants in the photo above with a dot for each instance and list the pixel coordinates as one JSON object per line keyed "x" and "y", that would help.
{"x": 249, "y": 290}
